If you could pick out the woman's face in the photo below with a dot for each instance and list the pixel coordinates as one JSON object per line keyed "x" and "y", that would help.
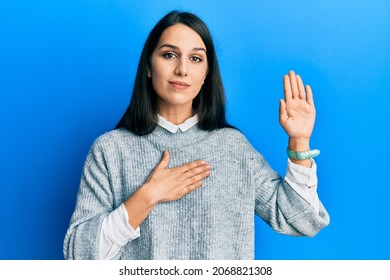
{"x": 178, "y": 67}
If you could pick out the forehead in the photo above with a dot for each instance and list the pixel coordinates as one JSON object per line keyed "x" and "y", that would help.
{"x": 182, "y": 37}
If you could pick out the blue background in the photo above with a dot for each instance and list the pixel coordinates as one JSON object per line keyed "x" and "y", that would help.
{"x": 66, "y": 73}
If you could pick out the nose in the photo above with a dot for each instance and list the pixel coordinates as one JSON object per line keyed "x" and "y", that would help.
{"x": 181, "y": 68}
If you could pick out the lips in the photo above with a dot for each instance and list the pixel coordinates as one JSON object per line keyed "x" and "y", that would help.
{"x": 179, "y": 84}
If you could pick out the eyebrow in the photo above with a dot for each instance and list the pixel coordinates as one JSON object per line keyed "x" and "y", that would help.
{"x": 176, "y": 48}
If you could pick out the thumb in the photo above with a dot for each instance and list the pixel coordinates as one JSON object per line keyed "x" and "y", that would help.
{"x": 164, "y": 161}
{"x": 282, "y": 112}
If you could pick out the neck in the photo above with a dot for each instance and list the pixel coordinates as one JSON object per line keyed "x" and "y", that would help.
{"x": 175, "y": 115}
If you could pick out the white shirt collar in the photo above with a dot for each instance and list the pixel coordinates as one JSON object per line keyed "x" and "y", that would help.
{"x": 173, "y": 128}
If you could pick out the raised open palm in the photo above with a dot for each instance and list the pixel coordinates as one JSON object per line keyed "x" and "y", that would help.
{"x": 297, "y": 112}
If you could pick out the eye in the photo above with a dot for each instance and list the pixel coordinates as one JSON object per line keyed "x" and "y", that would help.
{"x": 169, "y": 55}
{"x": 196, "y": 59}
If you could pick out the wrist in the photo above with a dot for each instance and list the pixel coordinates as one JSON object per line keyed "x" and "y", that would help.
{"x": 298, "y": 144}
{"x": 148, "y": 197}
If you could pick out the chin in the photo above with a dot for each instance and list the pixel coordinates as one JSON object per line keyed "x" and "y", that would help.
{"x": 179, "y": 100}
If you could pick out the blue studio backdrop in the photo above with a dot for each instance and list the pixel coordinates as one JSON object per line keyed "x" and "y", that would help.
{"x": 67, "y": 69}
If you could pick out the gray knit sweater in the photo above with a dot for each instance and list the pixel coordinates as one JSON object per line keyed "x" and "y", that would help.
{"x": 215, "y": 221}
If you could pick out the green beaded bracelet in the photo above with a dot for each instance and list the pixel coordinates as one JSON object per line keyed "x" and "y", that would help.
{"x": 302, "y": 155}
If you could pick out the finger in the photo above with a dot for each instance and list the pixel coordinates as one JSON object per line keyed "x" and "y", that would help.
{"x": 196, "y": 174}
{"x": 283, "y": 116}
{"x": 301, "y": 89}
{"x": 195, "y": 182}
{"x": 164, "y": 161}
{"x": 309, "y": 95}
{"x": 287, "y": 88}
{"x": 293, "y": 83}
{"x": 197, "y": 178}
{"x": 190, "y": 188}
{"x": 191, "y": 165}
{"x": 195, "y": 171}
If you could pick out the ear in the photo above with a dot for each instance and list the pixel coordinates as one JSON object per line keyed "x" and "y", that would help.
{"x": 149, "y": 72}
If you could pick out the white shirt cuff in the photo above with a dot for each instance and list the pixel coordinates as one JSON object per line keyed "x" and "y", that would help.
{"x": 304, "y": 181}
{"x": 115, "y": 233}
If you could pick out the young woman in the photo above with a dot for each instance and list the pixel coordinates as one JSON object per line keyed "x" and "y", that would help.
{"x": 174, "y": 180}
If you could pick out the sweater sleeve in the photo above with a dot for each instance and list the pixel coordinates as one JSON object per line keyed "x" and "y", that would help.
{"x": 280, "y": 206}
{"x": 94, "y": 202}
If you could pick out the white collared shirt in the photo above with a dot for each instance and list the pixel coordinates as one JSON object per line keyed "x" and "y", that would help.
{"x": 116, "y": 230}
{"x": 173, "y": 128}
